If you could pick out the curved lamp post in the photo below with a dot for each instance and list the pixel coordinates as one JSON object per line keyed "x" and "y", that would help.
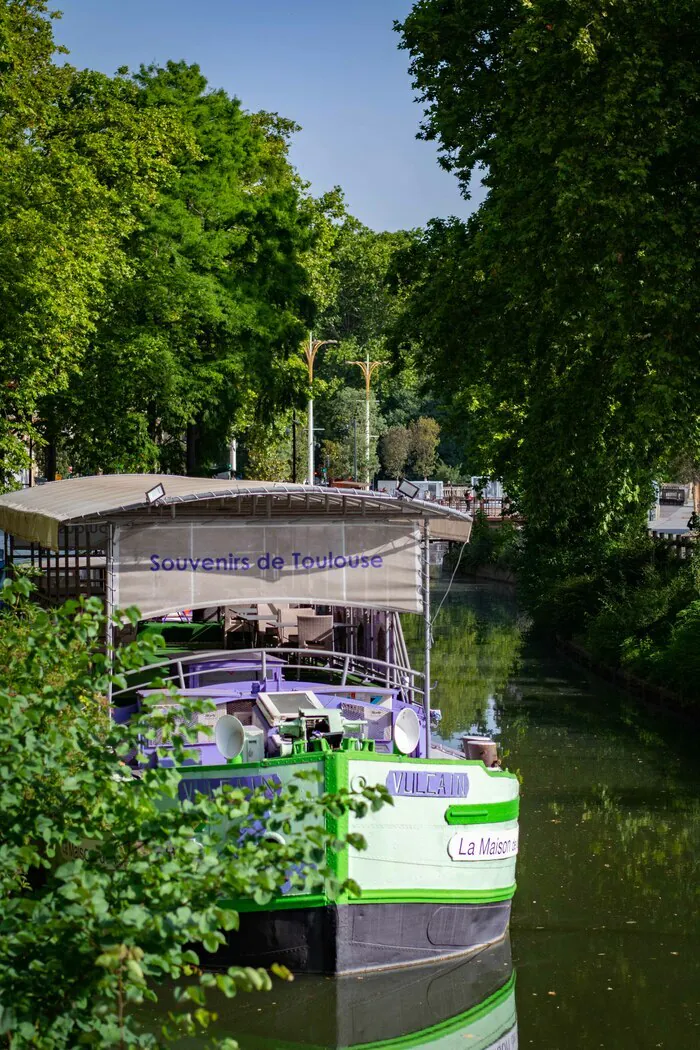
{"x": 310, "y": 352}
{"x": 368, "y": 370}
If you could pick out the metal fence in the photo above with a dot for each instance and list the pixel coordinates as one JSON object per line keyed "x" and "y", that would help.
{"x": 176, "y": 670}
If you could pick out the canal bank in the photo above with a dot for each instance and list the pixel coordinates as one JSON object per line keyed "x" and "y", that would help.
{"x": 606, "y": 924}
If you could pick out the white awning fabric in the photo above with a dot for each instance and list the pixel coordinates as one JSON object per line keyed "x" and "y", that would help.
{"x": 36, "y": 514}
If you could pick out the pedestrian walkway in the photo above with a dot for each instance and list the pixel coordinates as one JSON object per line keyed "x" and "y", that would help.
{"x": 672, "y": 521}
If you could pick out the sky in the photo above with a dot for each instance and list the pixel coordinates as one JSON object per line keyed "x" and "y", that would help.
{"x": 332, "y": 66}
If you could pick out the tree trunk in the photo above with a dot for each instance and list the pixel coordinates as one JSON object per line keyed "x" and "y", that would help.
{"x": 191, "y": 454}
{"x": 51, "y": 456}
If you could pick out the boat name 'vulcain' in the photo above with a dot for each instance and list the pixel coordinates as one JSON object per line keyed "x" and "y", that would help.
{"x": 266, "y": 561}
{"x": 188, "y": 788}
{"x": 422, "y": 782}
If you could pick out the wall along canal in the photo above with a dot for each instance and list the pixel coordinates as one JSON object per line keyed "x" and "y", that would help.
{"x": 606, "y": 923}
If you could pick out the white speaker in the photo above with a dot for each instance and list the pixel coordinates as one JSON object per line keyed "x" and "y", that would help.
{"x": 229, "y": 736}
{"x": 406, "y": 732}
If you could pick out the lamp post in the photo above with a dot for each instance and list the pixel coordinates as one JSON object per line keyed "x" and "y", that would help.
{"x": 294, "y": 447}
{"x": 368, "y": 370}
{"x": 310, "y": 352}
{"x": 354, "y": 444}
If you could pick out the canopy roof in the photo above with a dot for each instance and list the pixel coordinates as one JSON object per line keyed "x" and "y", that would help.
{"x": 36, "y": 514}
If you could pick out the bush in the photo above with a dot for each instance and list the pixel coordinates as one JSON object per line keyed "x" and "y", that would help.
{"x": 568, "y": 605}
{"x": 108, "y": 882}
{"x": 489, "y": 545}
{"x": 631, "y": 604}
{"x": 679, "y": 664}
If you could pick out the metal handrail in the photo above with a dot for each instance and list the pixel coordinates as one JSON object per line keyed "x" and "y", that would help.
{"x": 344, "y": 663}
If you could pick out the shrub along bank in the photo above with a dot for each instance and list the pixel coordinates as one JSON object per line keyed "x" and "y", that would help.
{"x": 635, "y": 606}
{"x": 488, "y": 548}
{"x": 637, "y": 609}
{"x": 109, "y": 884}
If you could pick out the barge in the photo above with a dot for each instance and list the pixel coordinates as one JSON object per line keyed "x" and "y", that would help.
{"x": 438, "y": 874}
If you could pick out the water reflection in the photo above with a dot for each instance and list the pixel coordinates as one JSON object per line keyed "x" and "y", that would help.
{"x": 606, "y": 919}
{"x": 467, "y": 1004}
{"x": 477, "y": 641}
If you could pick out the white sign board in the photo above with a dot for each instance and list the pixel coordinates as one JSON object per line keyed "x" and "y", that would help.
{"x": 163, "y": 567}
{"x": 483, "y": 843}
{"x": 509, "y": 1041}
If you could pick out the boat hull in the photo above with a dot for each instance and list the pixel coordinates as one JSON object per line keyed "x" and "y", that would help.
{"x": 355, "y": 938}
{"x": 437, "y": 873}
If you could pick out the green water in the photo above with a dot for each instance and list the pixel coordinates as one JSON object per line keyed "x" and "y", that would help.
{"x": 606, "y": 921}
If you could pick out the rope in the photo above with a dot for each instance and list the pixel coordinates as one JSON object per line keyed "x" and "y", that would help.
{"x": 449, "y": 587}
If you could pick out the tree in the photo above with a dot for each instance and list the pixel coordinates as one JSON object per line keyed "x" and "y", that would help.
{"x": 425, "y": 438}
{"x": 336, "y": 459}
{"x": 357, "y": 311}
{"x": 563, "y": 312}
{"x": 363, "y": 302}
{"x": 108, "y": 882}
{"x": 394, "y": 449}
{"x": 269, "y": 451}
{"x": 80, "y": 163}
{"x": 195, "y": 346}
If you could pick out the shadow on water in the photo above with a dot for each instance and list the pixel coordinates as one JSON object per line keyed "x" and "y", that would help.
{"x": 606, "y": 922}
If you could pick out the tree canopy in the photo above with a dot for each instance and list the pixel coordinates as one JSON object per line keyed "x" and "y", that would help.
{"x": 215, "y": 298}
{"x": 80, "y": 164}
{"x": 161, "y": 263}
{"x": 564, "y": 312}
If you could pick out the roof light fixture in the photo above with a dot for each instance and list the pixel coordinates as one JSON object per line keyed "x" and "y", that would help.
{"x": 407, "y": 489}
{"x": 155, "y": 494}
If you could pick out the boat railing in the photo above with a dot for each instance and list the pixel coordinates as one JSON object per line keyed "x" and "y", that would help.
{"x": 321, "y": 660}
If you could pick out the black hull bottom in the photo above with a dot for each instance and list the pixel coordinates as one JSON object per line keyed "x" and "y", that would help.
{"x": 359, "y": 937}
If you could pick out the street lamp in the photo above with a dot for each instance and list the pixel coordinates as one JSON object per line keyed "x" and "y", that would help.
{"x": 310, "y": 352}
{"x": 368, "y": 370}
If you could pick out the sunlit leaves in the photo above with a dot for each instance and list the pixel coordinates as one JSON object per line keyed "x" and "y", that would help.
{"x": 80, "y": 163}
{"x": 107, "y": 881}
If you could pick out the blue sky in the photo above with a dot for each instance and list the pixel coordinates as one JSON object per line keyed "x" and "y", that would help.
{"x": 331, "y": 65}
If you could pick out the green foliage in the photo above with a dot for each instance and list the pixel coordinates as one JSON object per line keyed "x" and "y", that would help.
{"x": 638, "y": 609}
{"x": 394, "y": 449}
{"x": 160, "y": 264}
{"x": 269, "y": 450}
{"x": 343, "y": 420}
{"x": 359, "y": 310}
{"x": 563, "y": 312}
{"x": 425, "y": 437}
{"x": 215, "y": 300}
{"x": 80, "y": 164}
{"x": 678, "y": 662}
{"x": 108, "y": 883}
{"x": 499, "y": 547}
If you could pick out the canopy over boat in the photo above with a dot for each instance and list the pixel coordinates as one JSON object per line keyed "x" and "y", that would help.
{"x": 172, "y": 542}
{"x": 36, "y": 514}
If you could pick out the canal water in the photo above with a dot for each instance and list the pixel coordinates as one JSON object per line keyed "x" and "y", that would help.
{"x": 605, "y": 933}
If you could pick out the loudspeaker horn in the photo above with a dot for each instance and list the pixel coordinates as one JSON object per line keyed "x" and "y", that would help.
{"x": 406, "y": 731}
{"x": 229, "y": 736}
